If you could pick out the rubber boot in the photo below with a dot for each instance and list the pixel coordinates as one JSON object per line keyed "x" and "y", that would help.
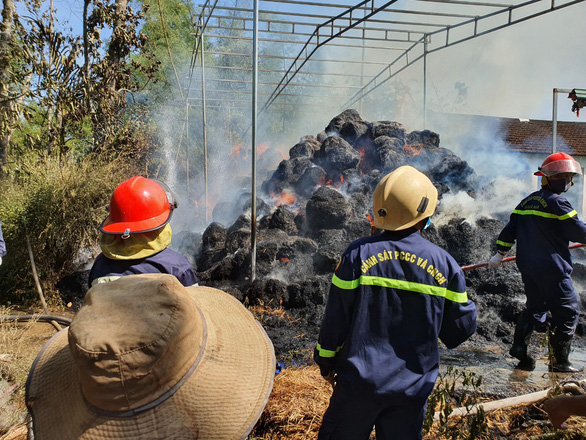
{"x": 523, "y": 331}
{"x": 560, "y": 351}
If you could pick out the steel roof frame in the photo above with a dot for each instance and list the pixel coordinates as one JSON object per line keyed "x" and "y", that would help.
{"x": 429, "y": 33}
{"x": 331, "y": 30}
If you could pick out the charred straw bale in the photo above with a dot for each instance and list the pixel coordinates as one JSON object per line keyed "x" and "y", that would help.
{"x": 286, "y": 174}
{"x": 389, "y": 129}
{"x": 389, "y": 159}
{"x": 425, "y": 138}
{"x": 304, "y": 149}
{"x": 351, "y": 131}
{"x": 267, "y": 292}
{"x": 337, "y": 155}
{"x": 311, "y": 178}
{"x": 327, "y": 209}
{"x": 282, "y": 219}
{"x": 214, "y": 237}
{"x": 332, "y": 243}
{"x": 338, "y": 122}
{"x": 308, "y": 292}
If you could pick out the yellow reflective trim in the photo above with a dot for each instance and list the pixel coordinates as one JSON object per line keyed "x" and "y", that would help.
{"x": 546, "y": 214}
{"x": 505, "y": 244}
{"x": 568, "y": 215}
{"x": 459, "y": 297}
{"x": 327, "y": 353}
{"x": 346, "y": 285}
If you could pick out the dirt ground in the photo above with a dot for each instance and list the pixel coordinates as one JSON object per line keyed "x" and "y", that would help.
{"x": 296, "y": 404}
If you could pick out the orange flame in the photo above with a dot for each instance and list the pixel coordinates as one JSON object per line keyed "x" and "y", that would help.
{"x": 285, "y": 260}
{"x": 285, "y": 198}
{"x": 369, "y": 217}
{"x": 261, "y": 148}
{"x": 413, "y": 150}
{"x": 236, "y": 151}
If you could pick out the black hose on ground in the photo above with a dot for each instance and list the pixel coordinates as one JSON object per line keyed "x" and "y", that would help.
{"x": 43, "y": 318}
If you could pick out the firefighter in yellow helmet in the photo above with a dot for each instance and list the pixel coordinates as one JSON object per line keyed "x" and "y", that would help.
{"x": 136, "y": 234}
{"x": 542, "y": 225}
{"x": 393, "y": 295}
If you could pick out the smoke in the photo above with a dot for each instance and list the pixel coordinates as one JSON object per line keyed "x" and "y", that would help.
{"x": 508, "y": 73}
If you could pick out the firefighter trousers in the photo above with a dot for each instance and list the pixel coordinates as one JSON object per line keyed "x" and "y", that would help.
{"x": 352, "y": 415}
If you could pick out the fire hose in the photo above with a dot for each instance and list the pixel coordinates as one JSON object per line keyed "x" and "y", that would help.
{"x": 475, "y": 266}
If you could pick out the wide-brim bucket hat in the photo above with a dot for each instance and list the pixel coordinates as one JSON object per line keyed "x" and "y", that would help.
{"x": 147, "y": 358}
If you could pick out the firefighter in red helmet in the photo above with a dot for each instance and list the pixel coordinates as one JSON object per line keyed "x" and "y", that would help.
{"x": 136, "y": 234}
{"x": 542, "y": 226}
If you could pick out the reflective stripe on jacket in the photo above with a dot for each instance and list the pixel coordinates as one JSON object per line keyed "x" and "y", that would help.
{"x": 542, "y": 225}
{"x": 392, "y": 296}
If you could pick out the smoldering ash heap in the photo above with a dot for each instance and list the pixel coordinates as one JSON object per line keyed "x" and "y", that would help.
{"x": 318, "y": 201}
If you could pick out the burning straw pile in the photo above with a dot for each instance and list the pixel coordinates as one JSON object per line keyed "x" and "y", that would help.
{"x": 318, "y": 201}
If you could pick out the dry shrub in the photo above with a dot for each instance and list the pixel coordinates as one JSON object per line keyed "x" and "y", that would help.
{"x": 296, "y": 405}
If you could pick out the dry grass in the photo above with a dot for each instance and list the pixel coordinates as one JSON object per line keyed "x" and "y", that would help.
{"x": 299, "y": 398}
{"x": 19, "y": 345}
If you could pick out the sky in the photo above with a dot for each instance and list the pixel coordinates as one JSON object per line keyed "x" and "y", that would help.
{"x": 511, "y": 72}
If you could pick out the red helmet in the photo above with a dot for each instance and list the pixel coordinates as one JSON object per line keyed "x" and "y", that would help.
{"x": 558, "y": 163}
{"x": 138, "y": 205}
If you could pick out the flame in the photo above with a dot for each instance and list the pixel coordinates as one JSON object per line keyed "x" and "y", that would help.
{"x": 413, "y": 150}
{"x": 285, "y": 198}
{"x": 342, "y": 179}
{"x": 285, "y": 260}
{"x": 239, "y": 152}
{"x": 362, "y": 151}
{"x": 236, "y": 151}
{"x": 261, "y": 148}
{"x": 369, "y": 217}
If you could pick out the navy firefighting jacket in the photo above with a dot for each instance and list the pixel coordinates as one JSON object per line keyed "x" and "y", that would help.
{"x": 392, "y": 296}
{"x": 543, "y": 224}
{"x": 2, "y": 243}
{"x": 166, "y": 261}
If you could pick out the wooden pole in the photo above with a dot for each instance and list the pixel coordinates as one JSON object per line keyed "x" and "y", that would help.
{"x": 37, "y": 283}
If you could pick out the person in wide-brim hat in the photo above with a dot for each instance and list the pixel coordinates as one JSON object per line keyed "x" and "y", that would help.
{"x": 147, "y": 358}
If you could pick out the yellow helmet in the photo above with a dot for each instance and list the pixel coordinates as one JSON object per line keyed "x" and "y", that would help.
{"x": 403, "y": 198}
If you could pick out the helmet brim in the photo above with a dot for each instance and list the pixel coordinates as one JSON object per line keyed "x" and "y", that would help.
{"x": 138, "y": 227}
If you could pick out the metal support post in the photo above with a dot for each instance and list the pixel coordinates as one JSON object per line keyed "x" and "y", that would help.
{"x": 205, "y": 136}
{"x": 555, "y": 117}
{"x": 254, "y": 122}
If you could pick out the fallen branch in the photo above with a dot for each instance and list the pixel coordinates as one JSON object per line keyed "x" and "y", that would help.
{"x": 37, "y": 283}
{"x": 498, "y": 404}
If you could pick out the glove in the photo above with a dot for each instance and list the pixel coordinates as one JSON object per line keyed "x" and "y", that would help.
{"x": 331, "y": 377}
{"x": 496, "y": 260}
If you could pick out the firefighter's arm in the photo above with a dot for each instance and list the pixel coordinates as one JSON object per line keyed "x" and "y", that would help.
{"x": 458, "y": 324}
{"x": 334, "y": 328}
{"x": 459, "y": 317}
{"x": 337, "y": 315}
{"x": 508, "y": 236}
{"x": 573, "y": 228}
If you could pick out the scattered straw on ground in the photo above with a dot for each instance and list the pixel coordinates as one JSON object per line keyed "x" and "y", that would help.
{"x": 299, "y": 398}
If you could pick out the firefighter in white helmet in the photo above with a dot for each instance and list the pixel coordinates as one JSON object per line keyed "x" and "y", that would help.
{"x": 393, "y": 295}
{"x": 542, "y": 225}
